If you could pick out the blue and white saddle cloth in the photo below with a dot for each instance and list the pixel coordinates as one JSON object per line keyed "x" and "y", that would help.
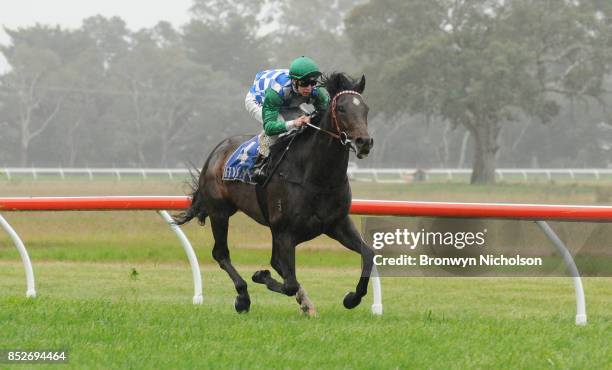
{"x": 239, "y": 164}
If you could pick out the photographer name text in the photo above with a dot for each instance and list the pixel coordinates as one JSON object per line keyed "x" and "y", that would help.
{"x": 424, "y": 260}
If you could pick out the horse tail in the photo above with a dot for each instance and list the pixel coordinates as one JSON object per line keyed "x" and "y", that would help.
{"x": 196, "y": 209}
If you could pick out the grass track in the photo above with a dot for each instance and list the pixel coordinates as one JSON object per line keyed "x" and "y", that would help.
{"x": 90, "y": 303}
{"x": 108, "y": 319}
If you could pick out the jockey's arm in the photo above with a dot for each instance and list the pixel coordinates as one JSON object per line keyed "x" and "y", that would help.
{"x": 271, "y": 106}
{"x": 322, "y": 100}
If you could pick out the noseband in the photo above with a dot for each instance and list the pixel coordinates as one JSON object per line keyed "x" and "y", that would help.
{"x": 340, "y": 135}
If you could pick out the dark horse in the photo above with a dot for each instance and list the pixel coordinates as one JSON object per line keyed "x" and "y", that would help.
{"x": 308, "y": 194}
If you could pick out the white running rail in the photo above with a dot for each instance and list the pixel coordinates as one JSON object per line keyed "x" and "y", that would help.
{"x": 379, "y": 175}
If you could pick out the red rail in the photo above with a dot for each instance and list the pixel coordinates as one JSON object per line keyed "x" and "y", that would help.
{"x": 483, "y": 210}
{"x": 94, "y": 203}
{"x": 359, "y": 206}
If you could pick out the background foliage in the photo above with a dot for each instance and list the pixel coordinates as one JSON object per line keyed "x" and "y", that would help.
{"x": 461, "y": 83}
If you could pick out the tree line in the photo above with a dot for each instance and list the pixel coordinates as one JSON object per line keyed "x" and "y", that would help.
{"x": 450, "y": 83}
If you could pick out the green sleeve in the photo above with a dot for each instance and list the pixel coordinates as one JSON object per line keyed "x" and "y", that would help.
{"x": 271, "y": 106}
{"x": 322, "y": 101}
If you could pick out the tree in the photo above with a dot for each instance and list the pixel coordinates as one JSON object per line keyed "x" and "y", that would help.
{"x": 33, "y": 103}
{"x": 223, "y": 35}
{"x": 481, "y": 64}
{"x": 316, "y": 30}
{"x": 165, "y": 96}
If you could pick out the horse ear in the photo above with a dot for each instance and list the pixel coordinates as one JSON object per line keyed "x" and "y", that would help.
{"x": 361, "y": 85}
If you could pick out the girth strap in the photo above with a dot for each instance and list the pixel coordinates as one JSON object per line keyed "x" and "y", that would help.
{"x": 260, "y": 189}
{"x": 260, "y": 193}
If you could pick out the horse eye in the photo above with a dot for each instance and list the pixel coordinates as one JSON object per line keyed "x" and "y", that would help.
{"x": 341, "y": 109}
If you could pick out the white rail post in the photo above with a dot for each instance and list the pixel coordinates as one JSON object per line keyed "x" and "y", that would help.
{"x": 27, "y": 264}
{"x": 193, "y": 260}
{"x": 581, "y": 317}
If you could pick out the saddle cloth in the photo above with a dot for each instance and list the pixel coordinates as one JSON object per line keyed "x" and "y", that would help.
{"x": 239, "y": 164}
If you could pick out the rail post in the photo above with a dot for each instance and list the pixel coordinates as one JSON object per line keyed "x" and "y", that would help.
{"x": 581, "y": 317}
{"x": 191, "y": 256}
{"x": 25, "y": 258}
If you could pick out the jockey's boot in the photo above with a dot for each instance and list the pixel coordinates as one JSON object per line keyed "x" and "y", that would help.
{"x": 259, "y": 169}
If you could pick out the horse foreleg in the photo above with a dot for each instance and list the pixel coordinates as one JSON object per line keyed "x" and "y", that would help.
{"x": 306, "y": 305}
{"x": 283, "y": 261}
{"x": 264, "y": 277}
{"x": 277, "y": 262}
{"x": 346, "y": 233}
{"x": 302, "y": 298}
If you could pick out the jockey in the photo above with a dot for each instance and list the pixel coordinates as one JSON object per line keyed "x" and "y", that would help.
{"x": 276, "y": 94}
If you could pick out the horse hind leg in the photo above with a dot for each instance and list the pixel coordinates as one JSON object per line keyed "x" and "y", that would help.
{"x": 221, "y": 254}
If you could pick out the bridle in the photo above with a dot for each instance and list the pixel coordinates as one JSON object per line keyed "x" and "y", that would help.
{"x": 342, "y": 136}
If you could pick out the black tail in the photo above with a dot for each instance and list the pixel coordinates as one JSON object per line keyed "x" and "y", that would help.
{"x": 197, "y": 203}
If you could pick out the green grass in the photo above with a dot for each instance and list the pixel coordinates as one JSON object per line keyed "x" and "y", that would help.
{"x": 91, "y": 303}
{"x": 108, "y": 319}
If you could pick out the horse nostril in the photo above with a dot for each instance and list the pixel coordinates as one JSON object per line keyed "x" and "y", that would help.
{"x": 371, "y": 142}
{"x": 359, "y": 141}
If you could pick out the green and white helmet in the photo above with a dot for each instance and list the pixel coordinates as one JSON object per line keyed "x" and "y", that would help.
{"x": 303, "y": 67}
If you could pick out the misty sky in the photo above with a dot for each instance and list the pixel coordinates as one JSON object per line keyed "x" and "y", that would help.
{"x": 70, "y": 13}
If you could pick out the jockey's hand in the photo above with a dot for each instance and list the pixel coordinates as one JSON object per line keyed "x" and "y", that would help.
{"x": 301, "y": 121}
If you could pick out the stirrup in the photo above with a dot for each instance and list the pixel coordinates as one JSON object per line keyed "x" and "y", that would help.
{"x": 259, "y": 169}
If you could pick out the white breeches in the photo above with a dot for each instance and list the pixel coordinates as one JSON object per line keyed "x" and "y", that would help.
{"x": 253, "y": 107}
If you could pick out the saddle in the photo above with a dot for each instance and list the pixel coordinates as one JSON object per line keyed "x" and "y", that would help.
{"x": 238, "y": 166}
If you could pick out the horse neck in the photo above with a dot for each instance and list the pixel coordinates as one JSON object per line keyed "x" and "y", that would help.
{"x": 327, "y": 159}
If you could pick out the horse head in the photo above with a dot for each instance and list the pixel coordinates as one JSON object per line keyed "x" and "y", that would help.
{"x": 349, "y": 112}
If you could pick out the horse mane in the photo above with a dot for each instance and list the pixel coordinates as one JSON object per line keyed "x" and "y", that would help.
{"x": 338, "y": 81}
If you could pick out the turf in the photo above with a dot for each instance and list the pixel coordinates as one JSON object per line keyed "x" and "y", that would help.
{"x": 109, "y": 317}
{"x": 115, "y": 290}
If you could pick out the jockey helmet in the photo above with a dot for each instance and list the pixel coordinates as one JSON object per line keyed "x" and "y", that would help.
{"x": 303, "y": 67}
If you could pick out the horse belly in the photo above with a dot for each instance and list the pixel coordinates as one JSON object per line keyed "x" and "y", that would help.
{"x": 320, "y": 214}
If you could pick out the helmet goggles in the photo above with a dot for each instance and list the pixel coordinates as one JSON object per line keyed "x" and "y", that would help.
{"x": 307, "y": 82}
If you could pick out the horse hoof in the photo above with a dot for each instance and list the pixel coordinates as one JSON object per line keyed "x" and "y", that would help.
{"x": 261, "y": 276}
{"x": 351, "y": 300}
{"x": 308, "y": 311}
{"x": 242, "y": 304}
